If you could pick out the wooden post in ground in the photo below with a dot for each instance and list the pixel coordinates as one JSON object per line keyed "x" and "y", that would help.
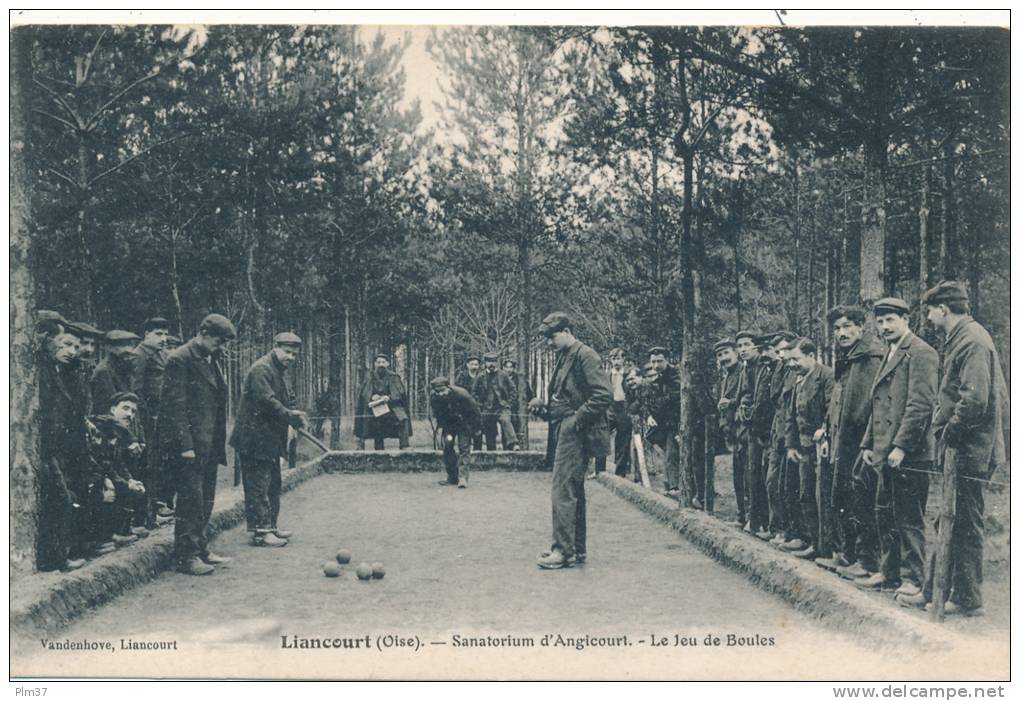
{"x": 638, "y": 448}
{"x": 944, "y": 539}
{"x": 709, "y": 502}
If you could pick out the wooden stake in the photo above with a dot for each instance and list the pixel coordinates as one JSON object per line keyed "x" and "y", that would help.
{"x": 944, "y": 539}
{"x": 710, "y": 463}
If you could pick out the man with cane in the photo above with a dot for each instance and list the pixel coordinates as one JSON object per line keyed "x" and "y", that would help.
{"x": 260, "y": 438}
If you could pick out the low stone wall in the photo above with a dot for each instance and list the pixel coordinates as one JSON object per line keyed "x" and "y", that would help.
{"x": 47, "y": 601}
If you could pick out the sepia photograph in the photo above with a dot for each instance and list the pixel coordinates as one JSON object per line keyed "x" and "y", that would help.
{"x": 649, "y": 345}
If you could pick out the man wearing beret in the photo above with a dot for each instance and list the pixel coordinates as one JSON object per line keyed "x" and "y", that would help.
{"x": 149, "y": 365}
{"x": 382, "y": 411}
{"x": 859, "y": 356}
{"x": 192, "y": 428}
{"x": 260, "y": 437}
{"x": 579, "y": 399}
{"x": 494, "y": 391}
{"x": 466, "y": 380}
{"x": 459, "y": 420}
{"x": 114, "y": 372}
{"x": 898, "y": 444}
{"x": 971, "y": 424}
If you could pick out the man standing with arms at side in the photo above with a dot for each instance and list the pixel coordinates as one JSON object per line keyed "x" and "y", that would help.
{"x": 806, "y": 427}
{"x": 782, "y": 480}
{"x": 971, "y": 419}
{"x": 858, "y": 358}
{"x": 747, "y": 351}
{"x": 619, "y": 415}
{"x": 898, "y": 444}
{"x": 459, "y": 420}
{"x": 466, "y": 380}
{"x": 149, "y": 366}
{"x": 192, "y": 427}
{"x": 494, "y": 392}
{"x": 521, "y": 387}
{"x": 579, "y": 397}
{"x": 260, "y": 438}
{"x": 664, "y": 407}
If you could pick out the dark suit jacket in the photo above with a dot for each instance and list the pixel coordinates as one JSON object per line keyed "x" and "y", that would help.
{"x": 457, "y": 412}
{"x": 580, "y": 383}
{"x": 147, "y": 377}
{"x": 494, "y": 392}
{"x": 109, "y": 377}
{"x": 902, "y": 399}
{"x": 193, "y": 410}
{"x": 728, "y": 385}
{"x": 972, "y": 410}
{"x": 811, "y": 396}
{"x": 850, "y": 407}
{"x": 366, "y": 425}
{"x": 260, "y": 427}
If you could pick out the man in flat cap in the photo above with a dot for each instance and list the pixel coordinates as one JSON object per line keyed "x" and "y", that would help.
{"x": 620, "y": 422}
{"x": 147, "y": 382}
{"x": 760, "y": 420}
{"x": 805, "y": 429}
{"x": 898, "y": 444}
{"x": 748, "y": 353}
{"x": 466, "y": 380}
{"x": 260, "y": 437}
{"x": 579, "y": 397}
{"x": 382, "y": 410}
{"x": 971, "y": 425}
{"x": 662, "y": 397}
{"x": 192, "y": 428}
{"x": 782, "y": 477}
{"x": 521, "y": 387}
{"x": 459, "y": 419}
{"x": 88, "y": 349}
{"x": 859, "y": 355}
{"x": 114, "y": 372}
{"x": 63, "y": 483}
{"x": 494, "y": 392}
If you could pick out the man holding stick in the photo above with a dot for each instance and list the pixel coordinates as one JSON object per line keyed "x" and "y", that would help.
{"x": 970, "y": 423}
{"x": 260, "y": 438}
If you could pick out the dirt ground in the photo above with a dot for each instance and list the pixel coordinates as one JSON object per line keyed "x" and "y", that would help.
{"x": 997, "y": 540}
{"x": 461, "y": 562}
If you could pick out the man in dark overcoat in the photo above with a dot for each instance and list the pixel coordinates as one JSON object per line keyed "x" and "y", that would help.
{"x": 114, "y": 372}
{"x": 149, "y": 366}
{"x": 260, "y": 438}
{"x": 382, "y": 388}
{"x": 898, "y": 444}
{"x": 192, "y": 428}
{"x": 579, "y": 398}
{"x": 494, "y": 391}
{"x": 971, "y": 424}
{"x": 859, "y": 356}
{"x": 465, "y": 379}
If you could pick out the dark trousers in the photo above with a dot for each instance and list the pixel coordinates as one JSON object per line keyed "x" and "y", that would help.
{"x": 826, "y": 514}
{"x": 808, "y": 499}
{"x": 966, "y": 548}
{"x": 671, "y": 458}
{"x": 261, "y": 480}
{"x": 861, "y": 540}
{"x": 758, "y": 506}
{"x": 501, "y": 420}
{"x": 739, "y": 477}
{"x": 841, "y": 506}
{"x": 776, "y": 458}
{"x": 196, "y": 492}
{"x": 402, "y": 437}
{"x": 621, "y": 442}
{"x": 457, "y": 456}
{"x": 899, "y": 507}
{"x": 569, "y": 507}
{"x": 517, "y": 421}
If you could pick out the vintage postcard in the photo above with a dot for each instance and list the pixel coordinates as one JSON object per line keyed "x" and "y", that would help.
{"x": 510, "y": 346}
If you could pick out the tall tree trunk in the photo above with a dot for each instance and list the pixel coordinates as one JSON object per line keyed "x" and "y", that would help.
{"x": 923, "y": 214}
{"x": 947, "y": 237}
{"x": 796, "y": 243}
{"x": 873, "y": 235}
{"x": 24, "y": 390}
{"x": 688, "y": 375}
